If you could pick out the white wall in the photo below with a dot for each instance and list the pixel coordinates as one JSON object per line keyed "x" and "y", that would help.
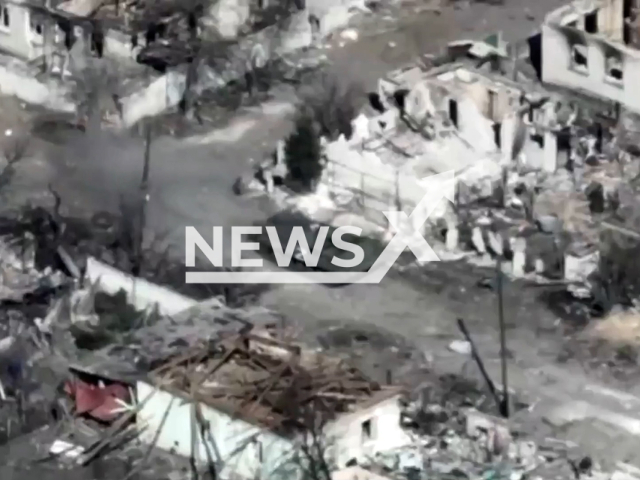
{"x": 17, "y": 80}
{"x": 234, "y": 444}
{"x": 387, "y": 433}
{"x": 474, "y": 127}
{"x": 17, "y": 37}
{"x": 163, "y": 93}
{"x": 556, "y": 69}
{"x": 118, "y": 45}
{"x": 228, "y": 440}
{"x": 142, "y": 294}
{"x": 364, "y": 170}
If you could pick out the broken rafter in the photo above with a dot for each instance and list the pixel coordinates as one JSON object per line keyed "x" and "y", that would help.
{"x": 271, "y": 381}
{"x": 272, "y": 384}
{"x": 215, "y": 366}
{"x": 175, "y": 362}
{"x": 272, "y": 342}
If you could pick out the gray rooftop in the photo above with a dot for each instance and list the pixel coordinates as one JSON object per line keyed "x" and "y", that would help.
{"x": 132, "y": 359}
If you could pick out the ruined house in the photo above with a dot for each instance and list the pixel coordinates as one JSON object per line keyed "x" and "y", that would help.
{"x": 261, "y": 402}
{"x": 460, "y": 116}
{"x": 228, "y": 389}
{"x": 143, "y": 55}
{"x": 591, "y": 46}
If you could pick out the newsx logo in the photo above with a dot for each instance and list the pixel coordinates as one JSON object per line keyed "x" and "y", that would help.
{"x": 297, "y": 246}
{"x": 407, "y": 235}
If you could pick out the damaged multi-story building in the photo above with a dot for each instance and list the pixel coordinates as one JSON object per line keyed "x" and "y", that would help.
{"x": 592, "y": 46}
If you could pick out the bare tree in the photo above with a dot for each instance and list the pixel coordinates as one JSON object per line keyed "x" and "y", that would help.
{"x": 314, "y": 457}
{"x": 303, "y": 154}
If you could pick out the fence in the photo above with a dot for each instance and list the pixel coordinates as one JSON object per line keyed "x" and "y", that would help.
{"x": 356, "y": 190}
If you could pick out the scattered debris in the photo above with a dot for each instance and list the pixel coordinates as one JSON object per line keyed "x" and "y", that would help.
{"x": 460, "y": 346}
{"x": 66, "y": 449}
{"x": 100, "y": 402}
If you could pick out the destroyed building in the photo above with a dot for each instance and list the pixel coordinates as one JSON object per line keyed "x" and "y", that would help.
{"x": 261, "y": 397}
{"x": 202, "y": 380}
{"x": 465, "y": 115}
{"x": 530, "y": 162}
{"x": 591, "y": 46}
{"x": 67, "y": 54}
{"x": 139, "y": 55}
{"x": 228, "y": 388}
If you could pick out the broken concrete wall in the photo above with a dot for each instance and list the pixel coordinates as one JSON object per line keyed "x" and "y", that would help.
{"x": 419, "y": 102}
{"x": 474, "y": 127}
{"x": 161, "y": 94}
{"x": 143, "y": 295}
{"x": 242, "y": 449}
{"x": 610, "y": 19}
{"x": 475, "y": 115}
{"x": 365, "y": 432}
{"x": 17, "y": 79}
{"x": 518, "y": 147}
{"x": 493, "y": 103}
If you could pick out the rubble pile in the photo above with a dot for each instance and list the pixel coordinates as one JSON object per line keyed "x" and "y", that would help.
{"x": 20, "y": 276}
{"x": 63, "y": 244}
{"x": 457, "y": 441}
{"x": 54, "y": 315}
{"x": 538, "y": 181}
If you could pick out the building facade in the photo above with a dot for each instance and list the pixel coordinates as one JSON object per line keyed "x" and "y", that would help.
{"x": 21, "y": 31}
{"x": 592, "y": 46}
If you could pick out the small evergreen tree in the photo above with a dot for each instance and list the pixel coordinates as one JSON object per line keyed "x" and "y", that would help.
{"x": 303, "y": 154}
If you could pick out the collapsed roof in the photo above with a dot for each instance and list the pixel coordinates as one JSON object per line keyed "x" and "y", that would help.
{"x": 269, "y": 381}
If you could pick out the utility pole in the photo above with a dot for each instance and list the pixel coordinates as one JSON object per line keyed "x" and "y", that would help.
{"x": 514, "y": 59}
{"x": 143, "y": 200}
{"x": 503, "y": 341}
